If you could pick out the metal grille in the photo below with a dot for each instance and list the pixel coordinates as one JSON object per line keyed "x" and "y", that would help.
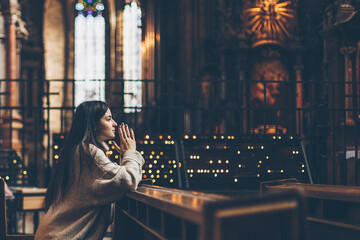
{"x": 324, "y": 115}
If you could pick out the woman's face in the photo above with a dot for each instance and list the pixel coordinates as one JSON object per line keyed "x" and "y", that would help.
{"x": 106, "y": 127}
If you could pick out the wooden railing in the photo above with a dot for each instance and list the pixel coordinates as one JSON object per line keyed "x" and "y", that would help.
{"x": 162, "y": 213}
{"x": 334, "y": 210}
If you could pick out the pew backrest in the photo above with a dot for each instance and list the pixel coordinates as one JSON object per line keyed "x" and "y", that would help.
{"x": 166, "y": 213}
{"x": 3, "y": 218}
{"x": 333, "y": 210}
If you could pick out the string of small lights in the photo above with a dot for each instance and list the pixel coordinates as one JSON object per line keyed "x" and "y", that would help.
{"x": 236, "y": 162}
{"x": 215, "y": 161}
{"x": 58, "y": 143}
{"x": 162, "y": 163}
{"x": 12, "y": 169}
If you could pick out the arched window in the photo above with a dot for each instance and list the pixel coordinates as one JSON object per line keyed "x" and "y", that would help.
{"x": 89, "y": 51}
{"x": 132, "y": 57}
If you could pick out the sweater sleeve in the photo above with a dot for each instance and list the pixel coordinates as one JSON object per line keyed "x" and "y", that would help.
{"x": 116, "y": 180}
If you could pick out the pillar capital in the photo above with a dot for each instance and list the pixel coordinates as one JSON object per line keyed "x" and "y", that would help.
{"x": 13, "y": 17}
{"x": 12, "y": 12}
{"x": 347, "y": 50}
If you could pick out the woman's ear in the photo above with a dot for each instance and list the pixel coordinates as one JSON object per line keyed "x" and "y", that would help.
{"x": 95, "y": 127}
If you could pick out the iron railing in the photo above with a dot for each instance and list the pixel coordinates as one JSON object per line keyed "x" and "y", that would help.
{"x": 325, "y": 116}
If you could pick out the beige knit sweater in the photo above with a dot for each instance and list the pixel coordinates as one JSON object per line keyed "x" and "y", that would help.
{"x": 85, "y": 212}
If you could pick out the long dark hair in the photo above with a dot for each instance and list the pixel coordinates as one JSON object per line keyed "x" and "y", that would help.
{"x": 82, "y": 134}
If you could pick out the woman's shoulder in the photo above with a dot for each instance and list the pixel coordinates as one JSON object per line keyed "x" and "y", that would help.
{"x": 94, "y": 155}
{"x": 100, "y": 159}
{"x": 95, "y": 150}
{"x": 88, "y": 149}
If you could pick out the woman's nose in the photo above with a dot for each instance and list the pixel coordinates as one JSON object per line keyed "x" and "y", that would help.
{"x": 114, "y": 123}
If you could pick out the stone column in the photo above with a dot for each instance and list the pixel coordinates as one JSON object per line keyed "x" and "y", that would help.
{"x": 299, "y": 96}
{"x": 11, "y": 67}
{"x": 2, "y": 60}
{"x": 222, "y": 88}
{"x": 11, "y": 125}
{"x": 357, "y": 69}
{"x": 348, "y": 85}
{"x": 242, "y": 64}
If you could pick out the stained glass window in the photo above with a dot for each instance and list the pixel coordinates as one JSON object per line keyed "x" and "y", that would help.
{"x": 132, "y": 57}
{"x": 89, "y": 51}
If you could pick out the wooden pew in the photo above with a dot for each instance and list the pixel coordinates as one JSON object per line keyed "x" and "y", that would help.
{"x": 3, "y": 219}
{"x": 154, "y": 212}
{"x": 29, "y": 199}
{"x": 334, "y": 210}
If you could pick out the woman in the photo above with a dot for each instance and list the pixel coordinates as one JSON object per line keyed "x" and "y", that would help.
{"x": 85, "y": 182}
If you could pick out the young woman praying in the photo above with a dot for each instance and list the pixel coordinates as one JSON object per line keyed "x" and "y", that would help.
{"x": 85, "y": 182}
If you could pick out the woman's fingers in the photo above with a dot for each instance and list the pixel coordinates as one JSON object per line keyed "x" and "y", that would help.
{"x": 123, "y": 128}
{"x": 120, "y": 147}
{"x": 127, "y": 138}
{"x": 127, "y": 131}
{"x": 132, "y": 135}
{"x": 121, "y": 134}
{"x": 125, "y": 134}
{"x": 117, "y": 148}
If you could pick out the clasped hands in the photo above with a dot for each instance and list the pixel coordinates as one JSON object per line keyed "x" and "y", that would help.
{"x": 127, "y": 139}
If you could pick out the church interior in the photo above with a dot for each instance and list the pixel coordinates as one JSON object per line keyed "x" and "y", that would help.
{"x": 245, "y": 111}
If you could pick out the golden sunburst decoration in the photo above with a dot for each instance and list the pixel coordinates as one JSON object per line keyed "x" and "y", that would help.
{"x": 270, "y": 21}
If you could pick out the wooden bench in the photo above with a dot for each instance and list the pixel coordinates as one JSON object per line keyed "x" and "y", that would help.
{"x": 3, "y": 218}
{"x": 334, "y": 210}
{"x": 30, "y": 199}
{"x": 154, "y": 212}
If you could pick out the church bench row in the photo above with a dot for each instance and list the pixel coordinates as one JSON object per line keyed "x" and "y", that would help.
{"x": 333, "y": 210}
{"x": 163, "y": 213}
